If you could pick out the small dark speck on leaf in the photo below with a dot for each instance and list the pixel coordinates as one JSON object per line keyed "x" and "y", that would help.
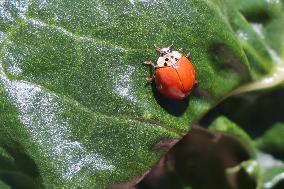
{"x": 164, "y": 144}
{"x": 202, "y": 93}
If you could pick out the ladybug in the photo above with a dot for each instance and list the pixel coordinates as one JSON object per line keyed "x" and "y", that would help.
{"x": 174, "y": 74}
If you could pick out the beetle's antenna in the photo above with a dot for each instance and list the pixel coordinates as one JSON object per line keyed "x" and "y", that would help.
{"x": 157, "y": 48}
{"x": 188, "y": 55}
{"x": 180, "y": 50}
{"x": 171, "y": 46}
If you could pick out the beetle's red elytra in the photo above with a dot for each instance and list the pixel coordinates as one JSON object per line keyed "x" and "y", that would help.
{"x": 174, "y": 74}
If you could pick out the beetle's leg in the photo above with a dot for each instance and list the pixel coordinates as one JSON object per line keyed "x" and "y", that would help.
{"x": 149, "y": 63}
{"x": 196, "y": 83}
{"x": 157, "y": 48}
{"x": 150, "y": 79}
{"x": 188, "y": 55}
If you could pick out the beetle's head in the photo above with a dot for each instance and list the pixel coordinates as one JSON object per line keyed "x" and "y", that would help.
{"x": 168, "y": 58}
{"x": 165, "y": 51}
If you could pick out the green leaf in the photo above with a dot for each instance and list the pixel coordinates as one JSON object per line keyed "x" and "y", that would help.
{"x": 273, "y": 178}
{"x": 272, "y": 171}
{"x": 73, "y": 96}
{"x": 245, "y": 176}
{"x": 4, "y": 186}
{"x": 272, "y": 140}
{"x": 224, "y": 125}
{"x": 252, "y": 168}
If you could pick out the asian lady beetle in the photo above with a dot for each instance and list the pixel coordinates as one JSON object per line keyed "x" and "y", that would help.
{"x": 174, "y": 74}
